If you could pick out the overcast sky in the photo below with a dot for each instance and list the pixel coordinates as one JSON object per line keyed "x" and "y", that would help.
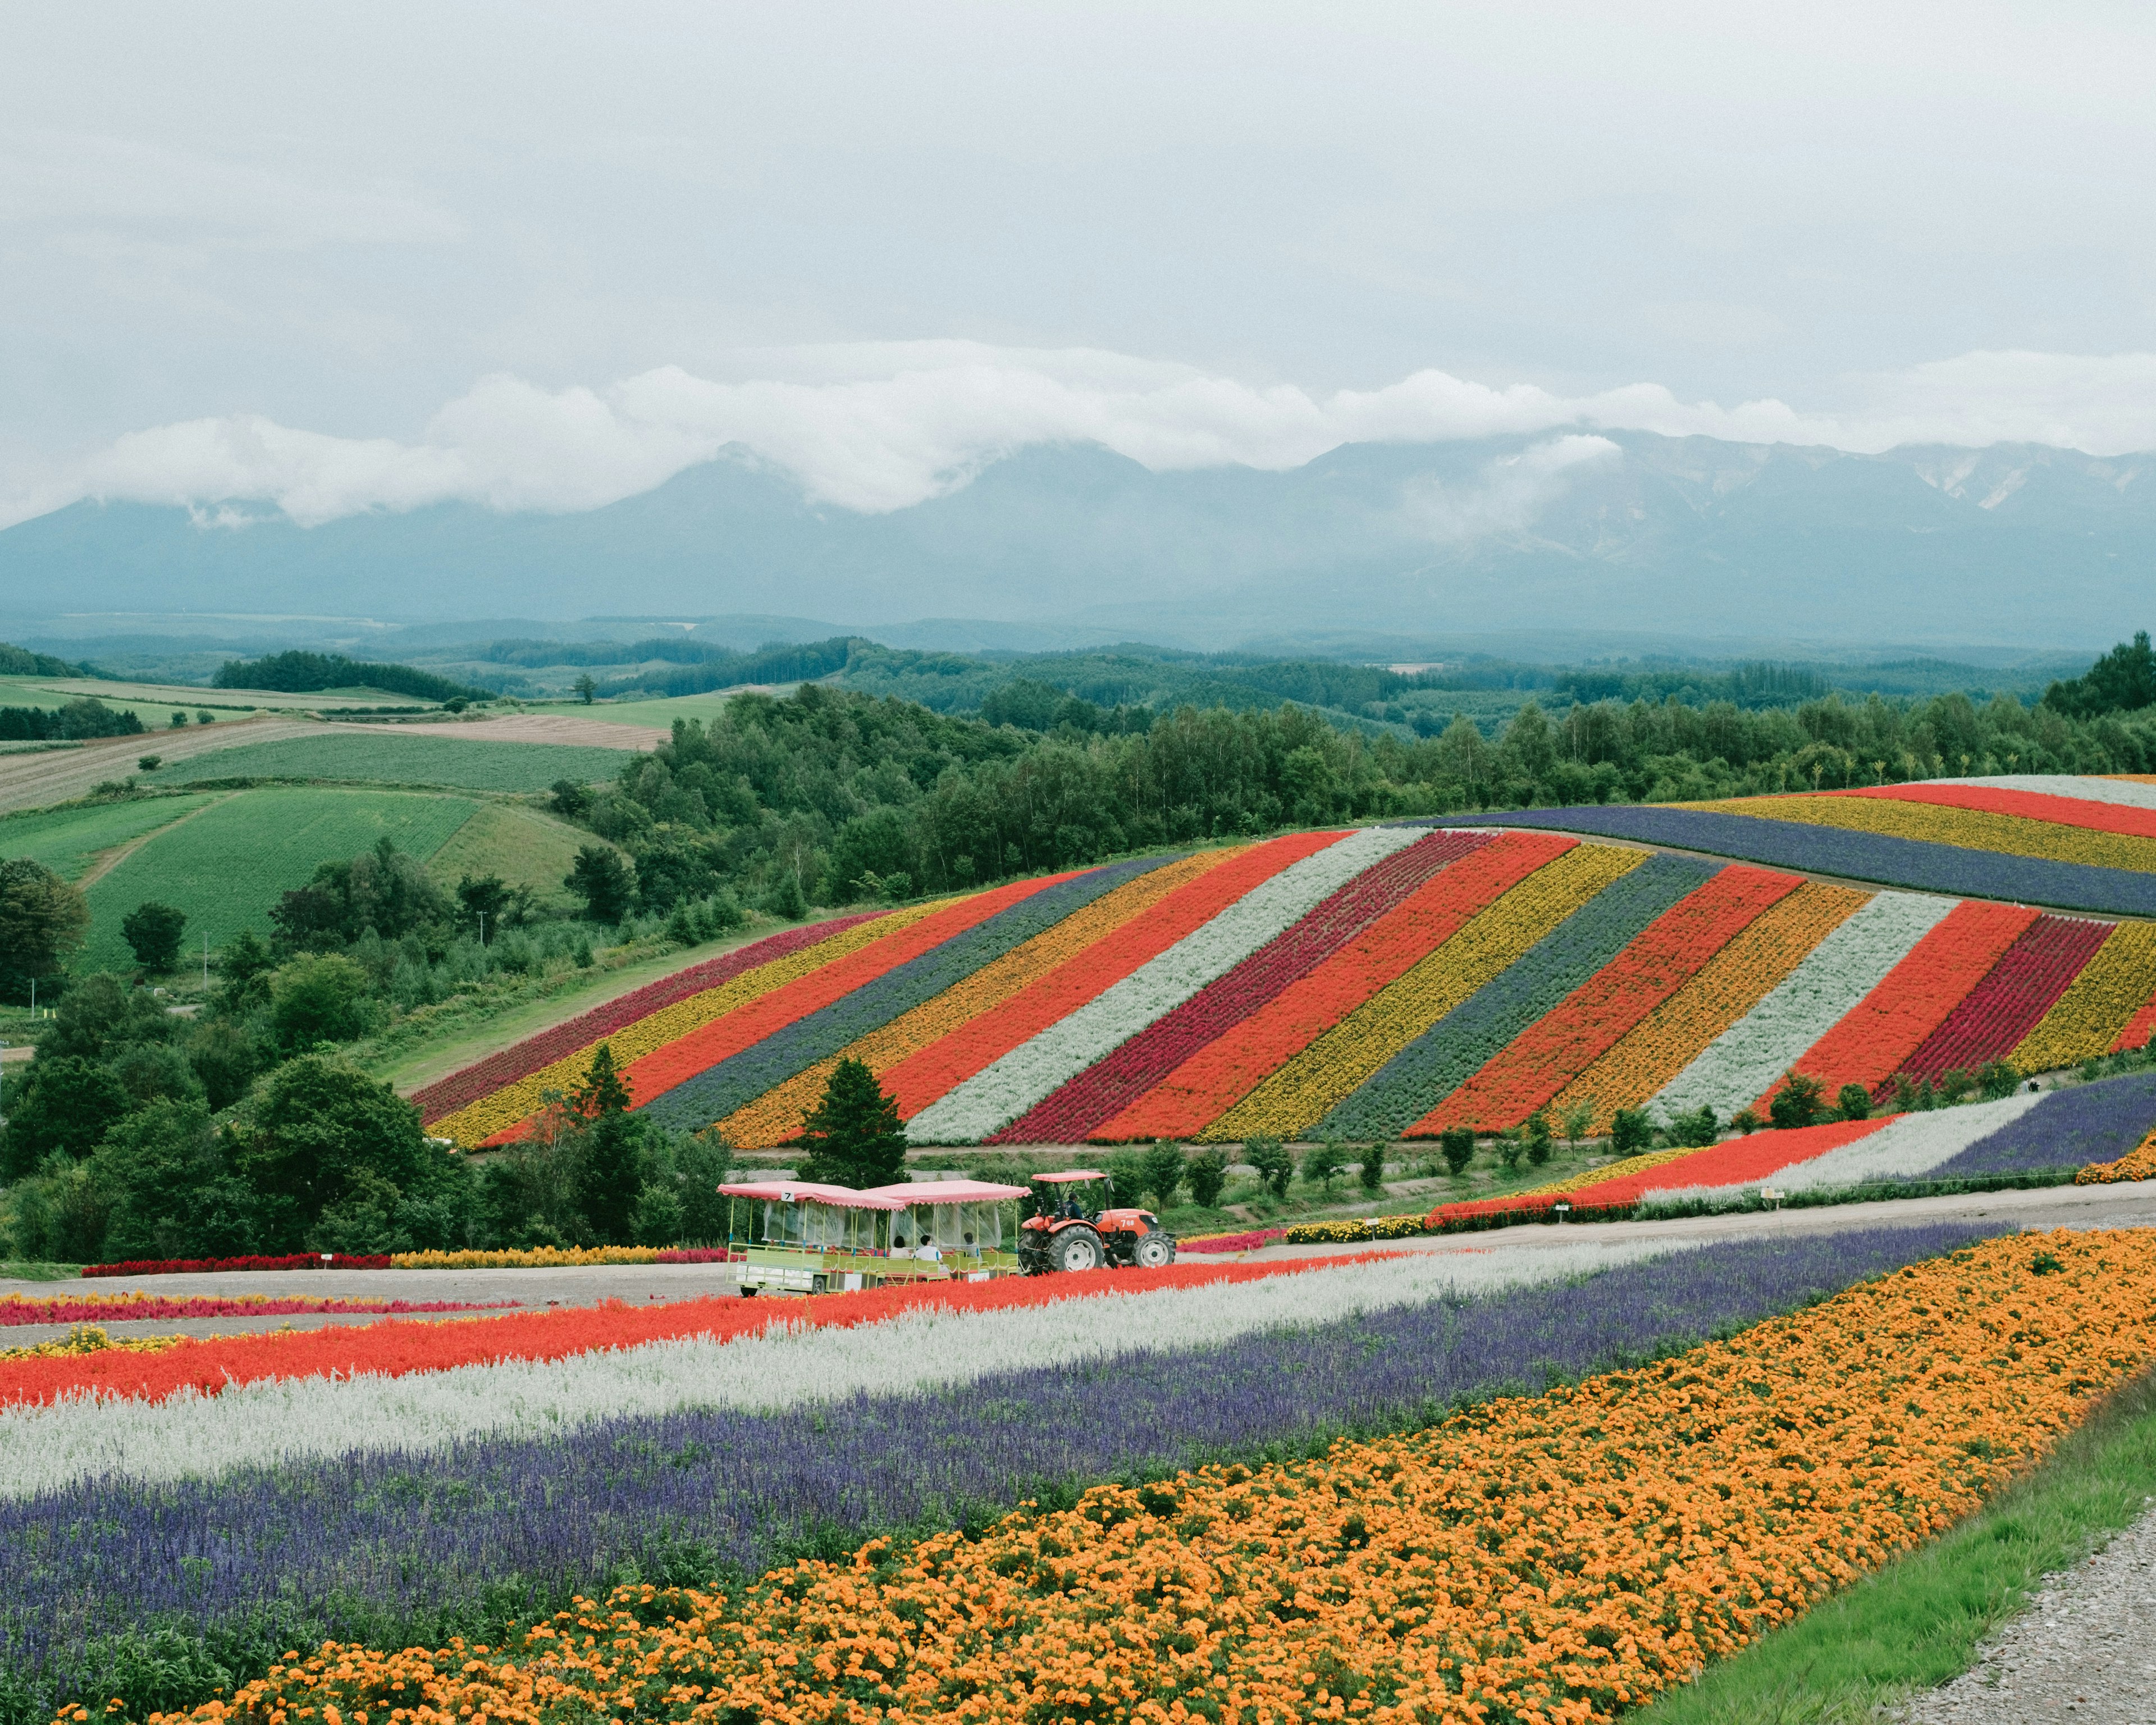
{"x": 545, "y": 256}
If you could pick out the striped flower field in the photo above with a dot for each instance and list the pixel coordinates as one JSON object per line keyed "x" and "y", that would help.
{"x": 1398, "y": 981}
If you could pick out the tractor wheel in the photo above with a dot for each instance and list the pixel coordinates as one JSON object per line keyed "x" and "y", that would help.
{"x": 1156, "y": 1251}
{"x": 1076, "y": 1249}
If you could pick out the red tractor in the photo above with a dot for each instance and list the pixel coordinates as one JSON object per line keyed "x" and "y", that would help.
{"x": 1073, "y": 1226}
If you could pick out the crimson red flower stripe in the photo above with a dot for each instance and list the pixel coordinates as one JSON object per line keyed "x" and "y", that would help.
{"x": 1992, "y": 1018}
{"x": 950, "y": 1060}
{"x": 2030, "y": 805}
{"x": 461, "y": 1089}
{"x": 1103, "y": 1090}
{"x": 1874, "y": 1039}
{"x": 1658, "y": 961}
{"x": 396, "y": 1349}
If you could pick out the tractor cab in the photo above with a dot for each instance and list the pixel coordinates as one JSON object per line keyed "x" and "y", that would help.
{"x": 1075, "y": 1225}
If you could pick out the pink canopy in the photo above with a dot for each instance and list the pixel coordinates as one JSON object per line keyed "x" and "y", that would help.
{"x": 1076, "y": 1173}
{"x": 911, "y": 1191}
{"x": 842, "y": 1198}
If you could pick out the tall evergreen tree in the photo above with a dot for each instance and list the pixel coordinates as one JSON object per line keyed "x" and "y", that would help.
{"x": 855, "y": 1138}
{"x": 611, "y": 1171}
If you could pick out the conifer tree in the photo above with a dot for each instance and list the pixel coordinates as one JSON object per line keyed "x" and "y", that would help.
{"x": 855, "y": 1138}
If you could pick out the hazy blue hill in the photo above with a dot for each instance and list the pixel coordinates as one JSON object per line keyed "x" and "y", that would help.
{"x": 2014, "y": 544}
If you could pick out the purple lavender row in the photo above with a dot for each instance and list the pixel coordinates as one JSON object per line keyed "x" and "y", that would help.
{"x": 1857, "y": 856}
{"x": 403, "y": 1548}
{"x": 2069, "y": 1127}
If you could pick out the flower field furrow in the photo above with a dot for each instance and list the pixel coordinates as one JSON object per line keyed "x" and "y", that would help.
{"x": 719, "y": 1091}
{"x": 2119, "y": 788}
{"x": 1912, "y": 1147}
{"x": 1009, "y": 1095}
{"x": 1445, "y": 1056}
{"x": 1077, "y": 1110}
{"x": 1877, "y": 857}
{"x": 587, "y": 1030}
{"x": 777, "y": 1117}
{"x": 1537, "y": 1064}
{"x": 19, "y": 1309}
{"x": 1465, "y": 927}
{"x": 1874, "y": 1039}
{"x": 1764, "y": 953}
{"x": 2082, "y": 1124}
{"x": 1654, "y": 1519}
{"x": 2092, "y": 1017}
{"x": 2093, "y": 814}
{"x": 782, "y": 1365}
{"x": 1847, "y": 966}
{"x": 1964, "y": 829}
{"x": 970, "y": 1050}
{"x": 491, "y": 1115}
{"x": 704, "y": 1047}
{"x": 1993, "y": 1017}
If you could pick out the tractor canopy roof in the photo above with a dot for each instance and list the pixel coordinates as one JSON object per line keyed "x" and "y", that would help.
{"x": 1071, "y": 1176}
{"x": 913, "y": 1192}
{"x": 842, "y": 1198}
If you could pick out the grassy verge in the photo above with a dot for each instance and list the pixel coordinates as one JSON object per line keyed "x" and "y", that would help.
{"x": 24, "y": 1270}
{"x": 1916, "y": 1623}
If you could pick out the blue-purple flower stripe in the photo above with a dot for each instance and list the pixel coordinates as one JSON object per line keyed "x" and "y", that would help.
{"x": 379, "y": 1546}
{"x": 1856, "y": 856}
{"x": 739, "y": 1080}
{"x": 2069, "y": 1128}
{"x": 1458, "y": 1045}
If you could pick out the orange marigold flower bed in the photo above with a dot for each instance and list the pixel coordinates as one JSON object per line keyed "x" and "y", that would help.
{"x": 2138, "y": 1163}
{"x": 1556, "y": 1557}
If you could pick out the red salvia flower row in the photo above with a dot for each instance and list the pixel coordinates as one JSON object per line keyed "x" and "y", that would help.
{"x": 1991, "y": 1021}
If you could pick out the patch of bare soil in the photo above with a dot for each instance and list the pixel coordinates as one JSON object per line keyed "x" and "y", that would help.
{"x": 34, "y": 781}
{"x": 537, "y": 727}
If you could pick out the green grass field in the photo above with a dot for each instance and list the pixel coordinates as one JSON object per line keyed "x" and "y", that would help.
{"x": 378, "y": 758}
{"x": 66, "y": 840}
{"x": 525, "y": 846}
{"x": 661, "y": 712}
{"x": 226, "y": 867}
{"x": 155, "y": 703}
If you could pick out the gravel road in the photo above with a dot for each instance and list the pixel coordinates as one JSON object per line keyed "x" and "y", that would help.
{"x": 2085, "y": 1650}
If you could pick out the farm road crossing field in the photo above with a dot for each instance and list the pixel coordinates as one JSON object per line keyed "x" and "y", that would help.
{"x": 382, "y": 757}
{"x": 226, "y": 866}
{"x": 67, "y": 840}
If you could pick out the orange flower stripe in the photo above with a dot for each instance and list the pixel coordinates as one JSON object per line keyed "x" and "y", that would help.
{"x": 2030, "y": 805}
{"x": 1212, "y": 1080}
{"x": 487, "y": 1120}
{"x": 1890, "y": 1023}
{"x": 919, "y": 1079}
{"x": 1312, "y": 1084}
{"x": 2095, "y": 1013}
{"x": 1731, "y": 984}
{"x": 2008, "y": 835}
{"x": 720, "y": 1038}
{"x": 1664, "y": 956}
{"x": 2138, "y": 1163}
{"x": 776, "y": 1117}
{"x": 1560, "y": 1558}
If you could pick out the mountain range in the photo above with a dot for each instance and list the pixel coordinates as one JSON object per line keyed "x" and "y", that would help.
{"x": 1630, "y": 532}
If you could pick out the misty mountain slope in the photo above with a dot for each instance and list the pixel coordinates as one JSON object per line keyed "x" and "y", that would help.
{"x": 1628, "y": 532}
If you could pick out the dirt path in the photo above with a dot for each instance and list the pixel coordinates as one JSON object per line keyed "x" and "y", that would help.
{"x": 2085, "y": 1650}
{"x": 34, "y": 781}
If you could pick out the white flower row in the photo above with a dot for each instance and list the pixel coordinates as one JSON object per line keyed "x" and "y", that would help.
{"x": 261, "y": 1423}
{"x": 1737, "y": 1068}
{"x": 999, "y": 1093}
{"x": 1909, "y": 1146}
{"x": 2121, "y": 793}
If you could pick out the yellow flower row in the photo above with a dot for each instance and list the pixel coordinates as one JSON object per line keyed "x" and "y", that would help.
{"x": 1309, "y": 1086}
{"x": 2085, "y": 1021}
{"x": 481, "y": 1120}
{"x": 1561, "y": 1557}
{"x": 90, "y": 1338}
{"x": 530, "y": 1257}
{"x": 1727, "y": 987}
{"x": 2138, "y": 1163}
{"x": 1610, "y": 1171}
{"x": 776, "y": 1116}
{"x": 1929, "y": 824}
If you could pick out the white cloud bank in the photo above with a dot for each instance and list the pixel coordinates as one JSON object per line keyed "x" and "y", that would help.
{"x": 874, "y": 428}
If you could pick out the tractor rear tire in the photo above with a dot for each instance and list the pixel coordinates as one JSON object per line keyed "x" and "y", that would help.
{"x": 1156, "y": 1251}
{"x": 1076, "y": 1249}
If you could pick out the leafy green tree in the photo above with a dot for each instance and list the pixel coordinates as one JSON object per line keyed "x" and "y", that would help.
{"x": 174, "y": 1194}
{"x": 63, "y": 1104}
{"x": 659, "y": 1217}
{"x": 603, "y": 881}
{"x": 1631, "y": 1131}
{"x": 1456, "y": 1144}
{"x": 1579, "y": 1122}
{"x": 1745, "y": 1121}
{"x": 586, "y": 687}
{"x": 1698, "y": 1128}
{"x": 325, "y": 998}
{"x": 1208, "y": 1175}
{"x": 225, "y": 1058}
{"x": 855, "y": 1136}
{"x": 1165, "y": 1171}
{"x": 1323, "y": 1163}
{"x": 1854, "y": 1101}
{"x": 1370, "y": 1174}
{"x": 153, "y": 932}
{"x": 787, "y": 899}
{"x": 692, "y": 1167}
{"x": 1536, "y": 1139}
{"x": 1273, "y": 1160}
{"x": 1997, "y": 1080}
{"x": 1799, "y": 1102}
{"x": 485, "y": 902}
{"x": 99, "y": 1015}
{"x": 43, "y": 920}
